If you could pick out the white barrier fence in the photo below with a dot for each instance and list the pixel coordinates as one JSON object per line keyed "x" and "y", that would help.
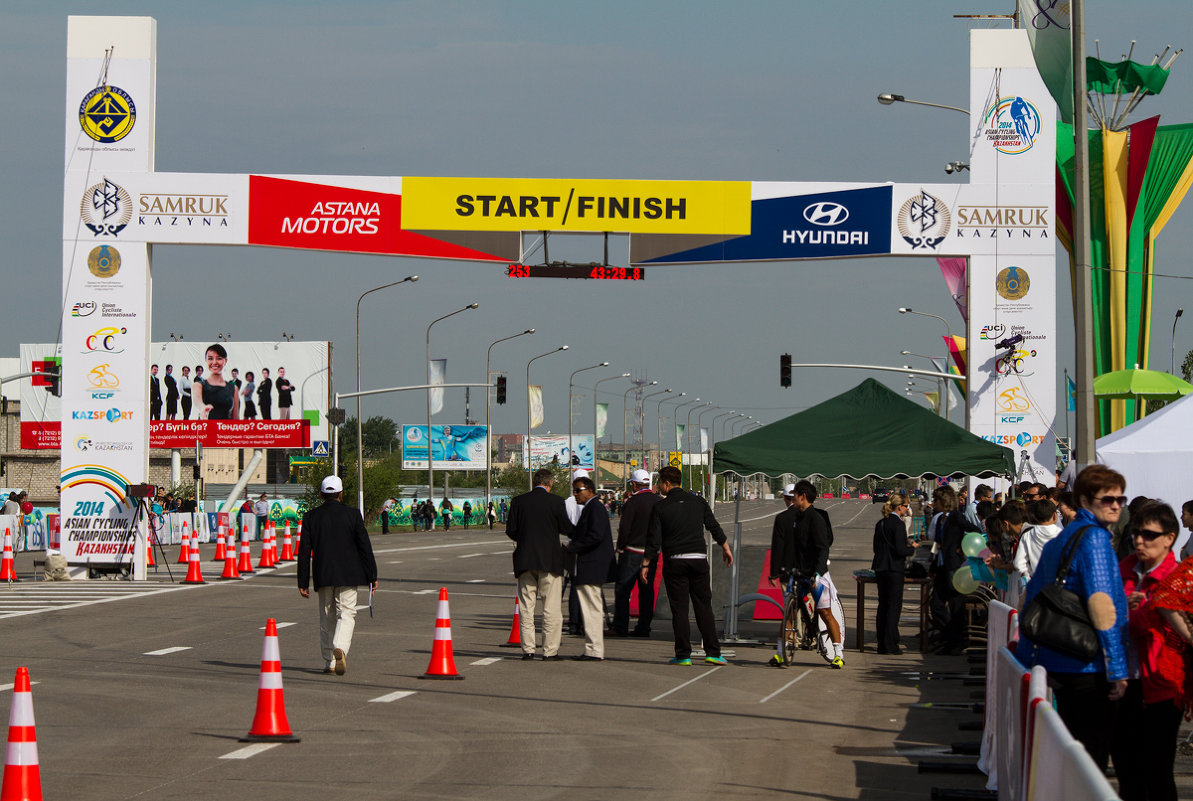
{"x": 1027, "y": 753}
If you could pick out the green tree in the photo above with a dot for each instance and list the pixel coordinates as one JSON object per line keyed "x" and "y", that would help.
{"x": 380, "y": 435}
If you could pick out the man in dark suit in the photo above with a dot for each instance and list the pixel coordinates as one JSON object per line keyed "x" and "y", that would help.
{"x": 631, "y": 544}
{"x": 155, "y": 395}
{"x": 171, "y": 393}
{"x": 537, "y": 519}
{"x": 335, "y": 535}
{"x": 264, "y": 394}
{"x": 592, "y": 543}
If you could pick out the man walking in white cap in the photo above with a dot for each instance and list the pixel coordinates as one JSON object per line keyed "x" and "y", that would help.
{"x": 335, "y": 536}
{"x": 631, "y": 544}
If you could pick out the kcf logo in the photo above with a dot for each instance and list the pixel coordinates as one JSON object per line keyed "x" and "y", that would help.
{"x": 924, "y": 221}
{"x": 103, "y": 261}
{"x": 107, "y": 114}
{"x": 101, "y": 378}
{"x": 1012, "y": 400}
{"x": 105, "y": 340}
{"x": 106, "y": 208}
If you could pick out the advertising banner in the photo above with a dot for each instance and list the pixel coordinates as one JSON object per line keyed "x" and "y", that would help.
{"x": 281, "y": 400}
{"x": 561, "y": 204}
{"x": 453, "y": 447}
{"x": 552, "y": 449}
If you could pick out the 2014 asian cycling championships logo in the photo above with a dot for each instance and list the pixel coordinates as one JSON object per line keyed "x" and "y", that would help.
{"x": 1012, "y": 125}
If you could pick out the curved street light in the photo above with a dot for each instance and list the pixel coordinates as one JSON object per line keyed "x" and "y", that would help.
{"x": 688, "y": 431}
{"x": 644, "y": 400}
{"x": 887, "y": 98}
{"x": 675, "y": 416}
{"x": 625, "y": 446}
{"x": 944, "y": 407}
{"x": 430, "y": 453}
{"x": 699, "y": 428}
{"x": 659, "y": 423}
{"x": 488, "y": 428}
{"x": 529, "y": 428}
{"x": 572, "y": 442}
{"x": 360, "y": 446}
{"x": 595, "y": 389}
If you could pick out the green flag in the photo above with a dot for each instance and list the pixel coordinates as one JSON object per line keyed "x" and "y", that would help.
{"x": 1048, "y": 30}
{"x": 1124, "y": 77}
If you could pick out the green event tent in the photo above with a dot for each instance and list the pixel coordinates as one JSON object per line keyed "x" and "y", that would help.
{"x": 867, "y": 431}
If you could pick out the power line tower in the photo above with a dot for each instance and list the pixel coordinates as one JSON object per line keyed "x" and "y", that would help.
{"x": 639, "y": 416}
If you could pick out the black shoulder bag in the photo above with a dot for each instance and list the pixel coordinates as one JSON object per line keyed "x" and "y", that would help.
{"x": 1057, "y": 618}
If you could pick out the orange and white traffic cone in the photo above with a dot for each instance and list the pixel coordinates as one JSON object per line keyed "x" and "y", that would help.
{"x": 270, "y": 724}
{"x": 22, "y": 775}
{"x": 8, "y": 570}
{"x": 220, "y": 548}
{"x": 287, "y": 546}
{"x": 443, "y": 664}
{"x": 515, "y": 630}
{"x": 245, "y": 565}
{"x": 230, "y": 571}
{"x": 263, "y": 561}
{"x": 149, "y": 540}
{"x": 184, "y": 551}
{"x": 194, "y": 571}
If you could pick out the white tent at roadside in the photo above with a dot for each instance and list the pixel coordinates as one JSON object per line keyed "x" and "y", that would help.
{"x": 1155, "y": 455}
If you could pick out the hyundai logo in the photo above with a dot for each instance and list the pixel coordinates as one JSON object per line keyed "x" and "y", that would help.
{"x": 825, "y": 213}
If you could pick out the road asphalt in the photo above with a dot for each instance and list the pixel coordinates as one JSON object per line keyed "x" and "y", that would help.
{"x": 143, "y": 691}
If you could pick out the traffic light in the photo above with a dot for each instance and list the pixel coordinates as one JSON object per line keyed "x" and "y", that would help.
{"x": 785, "y": 370}
{"x": 47, "y": 374}
{"x": 500, "y": 389}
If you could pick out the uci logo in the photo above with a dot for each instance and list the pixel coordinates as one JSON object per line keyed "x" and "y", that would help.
{"x": 825, "y": 213}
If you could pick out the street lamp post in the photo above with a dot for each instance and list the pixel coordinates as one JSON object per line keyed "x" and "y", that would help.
{"x": 644, "y": 400}
{"x": 430, "y": 453}
{"x": 571, "y": 441}
{"x": 360, "y": 448}
{"x": 594, "y": 412}
{"x": 529, "y": 427}
{"x": 675, "y": 416}
{"x": 688, "y": 431}
{"x": 712, "y": 444}
{"x": 886, "y": 98}
{"x": 1172, "y": 358}
{"x": 699, "y": 427}
{"x": 941, "y": 387}
{"x": 625, "y": 445}
{"x": 659, "y": 426}
{"x": 488, "y": 427}
{"x": 949, "y": 330}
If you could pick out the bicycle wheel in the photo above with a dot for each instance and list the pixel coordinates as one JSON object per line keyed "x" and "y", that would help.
{"x": 805, "y": 628}
{"x": 789, "y": 634}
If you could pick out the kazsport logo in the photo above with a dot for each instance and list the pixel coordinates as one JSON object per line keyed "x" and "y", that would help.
{"x": 107, "y": 114}
{"x": 111, "y": 415}
{"x": 1022, "y": 439}
{"x": 106, "y": 208}
{"x": 826, "y": 213}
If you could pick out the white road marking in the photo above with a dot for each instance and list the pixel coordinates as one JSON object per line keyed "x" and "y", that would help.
{"x": 395, "y": 562}
{"x": 164, "y": 651}
{"x": 68, "y": 596}
{"x": 785, "y": 686}
{"x": 475, "y": 581}
{"x": 434, "y": 547}
{"x": 279, "y": 625}
{"x": 492, "y": 660}
{"x": 685, "y": 684}
{"x": 422, "y": 592}
{"x": 5, "y": 687}
{"x": 250, "y": 751}
{"x": 390, "y": 697}
{"x": 470, "y": 555}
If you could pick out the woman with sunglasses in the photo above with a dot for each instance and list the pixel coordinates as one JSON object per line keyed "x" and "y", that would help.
{"x": 1086, "y": 691}
{"x": 1149, "y": 715}
{"x": 892, "y": 546}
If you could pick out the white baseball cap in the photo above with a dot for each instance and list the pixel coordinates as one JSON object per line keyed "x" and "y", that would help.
{"x": 331, "y": 485}
{"x": 789, "y": 491}
{"x": 640, "y": 477}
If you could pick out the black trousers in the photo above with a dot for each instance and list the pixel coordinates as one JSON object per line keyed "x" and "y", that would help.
{"x": 1083, "y": 703}
{"x": 1144, "y": 747}
{"x": 890, "y": 608}
{"x": 684, "y": 579}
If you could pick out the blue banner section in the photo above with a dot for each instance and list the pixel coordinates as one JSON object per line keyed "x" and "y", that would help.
{"x": 453, "y": 447}
{"x": 851, "y": 222}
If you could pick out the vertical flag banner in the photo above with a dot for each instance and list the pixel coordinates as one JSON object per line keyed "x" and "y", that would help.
{"x": 679, "y": 431}
{"x": 535, "y": 399}
{"x": 438, "y": 377}
{"x": 953, "y": 269}
{"x": 1071, "y": 393}
{"x": 602, "y": 417}
{"x": 1048, "y": 31}
{"x": 703, "y": 439}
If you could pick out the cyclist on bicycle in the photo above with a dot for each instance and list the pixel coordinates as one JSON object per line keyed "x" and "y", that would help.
{"x": 804, "y": 548}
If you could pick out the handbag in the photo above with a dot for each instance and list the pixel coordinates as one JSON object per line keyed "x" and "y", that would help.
{"x": 1056, "y": 618}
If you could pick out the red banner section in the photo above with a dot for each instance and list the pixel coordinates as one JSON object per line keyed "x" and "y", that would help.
{"x": 296, "y": 214}
{"x": 184, "y": 433}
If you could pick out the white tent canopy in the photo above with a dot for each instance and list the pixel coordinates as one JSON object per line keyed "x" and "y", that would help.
{"x": 1155, "y": 455}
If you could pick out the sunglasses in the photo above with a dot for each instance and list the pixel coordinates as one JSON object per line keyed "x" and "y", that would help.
{"x": 1111, "y": 500}
{"x": 1147, "y": 533}
{"x": 577, "y": 491}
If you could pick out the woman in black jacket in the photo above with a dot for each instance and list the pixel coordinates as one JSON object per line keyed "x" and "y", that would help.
{"x": 892, "y": 546}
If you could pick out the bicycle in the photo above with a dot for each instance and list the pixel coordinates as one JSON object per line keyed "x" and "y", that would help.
{"x": 802, "y": 629}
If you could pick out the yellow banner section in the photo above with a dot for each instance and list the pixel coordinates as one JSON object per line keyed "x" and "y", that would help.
{"x": 557, "y": 204}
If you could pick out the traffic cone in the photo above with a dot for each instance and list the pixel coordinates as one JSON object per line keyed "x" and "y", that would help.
{"x": 273, "y": 543}
{"x": 515, "y": 630}
{"x": 8, "y": 570}
{"x": 264, "y": 561}
{"x": 443, "y": 664}
{"x": 220, "y": 549}
{"x": 269, "y": 724}
{"x": 245, "y": 565}
{"x": 22, "y": 775}
{"x": 184, "y": 551}
{"x": 194, "y": 571}
{"x": 149, "y": 540}
{"x": 230, "y": 571}
{"x": 287, "y": 546}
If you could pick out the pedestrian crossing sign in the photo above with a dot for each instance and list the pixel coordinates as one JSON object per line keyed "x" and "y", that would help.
{"x": 319, "y": 448}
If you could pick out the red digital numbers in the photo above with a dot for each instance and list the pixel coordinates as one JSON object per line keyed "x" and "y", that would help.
{"x": 616, "y": 273}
